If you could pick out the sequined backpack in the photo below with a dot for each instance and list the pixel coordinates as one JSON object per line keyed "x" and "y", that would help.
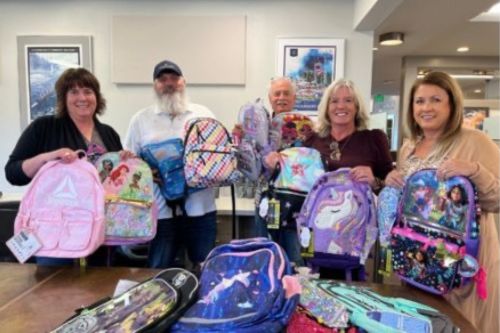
{"x": 254, "y": 120}
{"x": 435, "y": 238}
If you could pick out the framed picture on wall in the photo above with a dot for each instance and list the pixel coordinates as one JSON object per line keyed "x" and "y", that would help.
{"x": 474, "y": 117}
{"x": 41, "y": 60}
{"x": 312, "y": 63}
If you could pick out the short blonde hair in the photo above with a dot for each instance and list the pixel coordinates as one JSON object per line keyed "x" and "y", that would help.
{"x": 324, "y": 123}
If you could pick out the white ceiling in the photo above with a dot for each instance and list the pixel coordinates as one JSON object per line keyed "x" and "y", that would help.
{"x": 431, "y": 28}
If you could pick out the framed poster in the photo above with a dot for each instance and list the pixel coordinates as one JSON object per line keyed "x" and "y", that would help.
{"x": 41, "y": 60}
{"x": 474, "y": 116}
{"x": 312, "y": 64}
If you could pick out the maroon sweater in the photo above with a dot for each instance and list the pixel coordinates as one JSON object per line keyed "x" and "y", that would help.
{"x": 366, "y": 147}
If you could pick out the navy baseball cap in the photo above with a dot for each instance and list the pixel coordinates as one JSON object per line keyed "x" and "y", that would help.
{"x": 166, "y": 67}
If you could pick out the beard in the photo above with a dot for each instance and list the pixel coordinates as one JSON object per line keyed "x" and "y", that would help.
{"x": 173, "y": 103}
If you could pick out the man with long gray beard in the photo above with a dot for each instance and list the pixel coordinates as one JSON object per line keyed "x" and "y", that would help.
{"x": 196, "y": 231}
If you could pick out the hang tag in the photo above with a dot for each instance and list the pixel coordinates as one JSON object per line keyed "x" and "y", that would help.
{"x": 307, "y": 242}
{"x": 273, "y": 215}
{"x": 385, "y": 266}
{"x": 23, "y": 245}
{"x": 263, "y": 207}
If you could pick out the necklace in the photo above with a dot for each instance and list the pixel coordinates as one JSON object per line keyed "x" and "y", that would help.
{"x": 336, "y": 148}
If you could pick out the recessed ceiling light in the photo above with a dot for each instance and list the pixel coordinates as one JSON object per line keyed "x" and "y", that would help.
{"x": 391, "y": 38}
{"x": 463, "y": 49}
{"x": 478, "y": 91}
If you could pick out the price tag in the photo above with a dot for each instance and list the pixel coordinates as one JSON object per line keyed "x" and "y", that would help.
{"x": 24, "y": 245}
{"x": 273, "y": 215}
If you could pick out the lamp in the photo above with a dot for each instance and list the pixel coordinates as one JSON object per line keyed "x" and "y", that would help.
{"x": 391, "y": 38}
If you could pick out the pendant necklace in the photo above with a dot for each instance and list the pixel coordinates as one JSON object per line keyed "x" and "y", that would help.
{"x": 336, "y": 148}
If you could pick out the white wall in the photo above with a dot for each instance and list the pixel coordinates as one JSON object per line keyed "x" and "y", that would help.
{"x": 266, "y": 20}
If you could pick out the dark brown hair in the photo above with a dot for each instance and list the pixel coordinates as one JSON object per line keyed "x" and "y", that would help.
{"x": 77, "y": 77}
{"x": 448, "y": 84}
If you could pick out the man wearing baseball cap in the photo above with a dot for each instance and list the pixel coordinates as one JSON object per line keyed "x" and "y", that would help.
{"x": 196, "y": 229}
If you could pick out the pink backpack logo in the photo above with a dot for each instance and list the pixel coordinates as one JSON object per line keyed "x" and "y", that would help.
{"x": 130, "y": 210}
{"x": 64, "y": 208}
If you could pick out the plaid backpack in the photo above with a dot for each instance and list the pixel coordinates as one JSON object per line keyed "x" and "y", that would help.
{"x": 209, "y": 155}
{"x": 337, "y": 223}
{"x": 435, "y": 237}
{"x": 64, "y": 208}
{"x": 289, "y": 129}
{"x": 130, "y": 209}
{"x": 245, "y": 286}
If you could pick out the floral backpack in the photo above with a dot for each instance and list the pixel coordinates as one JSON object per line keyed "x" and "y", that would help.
{"x": 130, "y": 209}
{"x": 434, "y": 241}
{"x": 293, "y": 178}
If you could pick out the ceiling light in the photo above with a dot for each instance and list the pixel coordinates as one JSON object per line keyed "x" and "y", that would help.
{"x": 375, "y": 49}
{"x": 466, "y": 76}
{"x": 478, "y": 91}
{"x": 391, "y": 38}
{"x": 472, "y": 76}
{"x": 463, "y": 49}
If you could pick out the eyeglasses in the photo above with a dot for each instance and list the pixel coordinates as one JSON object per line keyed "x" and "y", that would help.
{"x": 335, "y": 153}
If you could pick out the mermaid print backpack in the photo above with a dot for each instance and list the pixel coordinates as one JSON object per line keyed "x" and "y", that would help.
{"x": 435, "y": 237}
{"x": 128, "y": 191}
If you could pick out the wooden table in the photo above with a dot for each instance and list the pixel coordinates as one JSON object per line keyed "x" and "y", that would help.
{"x": 37, "y": 299}
{"x": 48, "y": 296}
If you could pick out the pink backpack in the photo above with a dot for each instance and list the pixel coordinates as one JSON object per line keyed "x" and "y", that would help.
{"x": 64, "y": 209}
{"x": 130, "y": 206}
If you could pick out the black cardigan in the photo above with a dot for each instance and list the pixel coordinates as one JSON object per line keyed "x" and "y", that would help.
{"x": 49, "y": 133}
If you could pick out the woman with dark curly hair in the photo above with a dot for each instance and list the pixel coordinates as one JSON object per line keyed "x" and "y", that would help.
{"x": 74, "y": 127}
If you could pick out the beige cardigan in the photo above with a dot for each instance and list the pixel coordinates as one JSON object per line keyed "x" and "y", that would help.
{"x": 473, "y": 145}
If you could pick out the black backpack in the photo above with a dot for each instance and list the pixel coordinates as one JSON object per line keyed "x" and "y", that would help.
{"x": 151, "y": 306}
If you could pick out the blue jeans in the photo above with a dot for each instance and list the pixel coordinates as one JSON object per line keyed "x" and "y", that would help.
{"x": 286, "y": 238}
{"x": 196, "y": 234}
{"x": 260, "y": 226}
{"x": 289, "y": 241}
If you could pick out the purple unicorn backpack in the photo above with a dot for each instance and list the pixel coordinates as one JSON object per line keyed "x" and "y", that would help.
{"x": 128, "y": 190}
{"x": 435, "y": 238}
{"x": 245, "y": 286}
{"x": 337, "y": 223}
